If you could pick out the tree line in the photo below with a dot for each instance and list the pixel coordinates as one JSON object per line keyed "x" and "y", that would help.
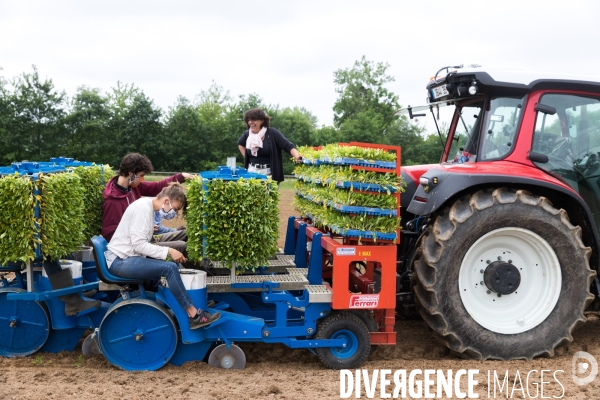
{"x": 38, "y": 121}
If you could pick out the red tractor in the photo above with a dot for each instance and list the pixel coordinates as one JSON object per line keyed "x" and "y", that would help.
{"x": 500, "y": 242}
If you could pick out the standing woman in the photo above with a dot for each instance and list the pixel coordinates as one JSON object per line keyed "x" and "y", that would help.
{"x": 261, "y": 146}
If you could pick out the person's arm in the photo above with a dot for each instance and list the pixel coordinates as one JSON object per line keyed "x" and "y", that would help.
{"x": 138, "y": 232}
{"x": 151, "y": 189}
{"x": 295, "y": 154}
{"x": 242, "y": 150}
{"x": 160, "y": 229}
{"x": 284, "y": 144}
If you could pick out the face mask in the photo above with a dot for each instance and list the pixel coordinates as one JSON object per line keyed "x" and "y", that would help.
{"x": 132, "y": 180}
{"x": 167, "y": 215}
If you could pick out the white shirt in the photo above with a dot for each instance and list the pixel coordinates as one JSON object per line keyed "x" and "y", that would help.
{"x": 133, "y": 235}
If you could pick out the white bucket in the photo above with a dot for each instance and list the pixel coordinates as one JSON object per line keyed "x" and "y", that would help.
{"x": 193, "y": 279}
{"x": 75, "y": 267}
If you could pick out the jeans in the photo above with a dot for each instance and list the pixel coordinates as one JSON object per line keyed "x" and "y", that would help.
{"x": 150, "y": 268}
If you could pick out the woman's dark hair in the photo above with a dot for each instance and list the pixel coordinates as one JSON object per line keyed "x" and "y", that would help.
{"x": 257, "y": 114}
{"x": 135, "y": 162}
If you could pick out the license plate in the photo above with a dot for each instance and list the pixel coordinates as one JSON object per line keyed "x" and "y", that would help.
{"x": 439, "y": 91}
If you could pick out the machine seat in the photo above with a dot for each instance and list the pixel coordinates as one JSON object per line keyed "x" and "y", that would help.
{"x": 99, "y": 245}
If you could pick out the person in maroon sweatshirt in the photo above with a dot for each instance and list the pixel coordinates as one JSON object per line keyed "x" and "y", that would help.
{"x": 127, "y": 187}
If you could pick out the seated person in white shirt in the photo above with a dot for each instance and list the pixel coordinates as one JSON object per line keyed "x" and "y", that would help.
{"x": 131, "y": 255}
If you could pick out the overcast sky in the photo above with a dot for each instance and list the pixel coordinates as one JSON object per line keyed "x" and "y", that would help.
{"x": 287, "y": 51}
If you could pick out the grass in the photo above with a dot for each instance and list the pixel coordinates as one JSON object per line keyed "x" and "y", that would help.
{"x": 287, "y": 184}
{"x": 155, "y": 178}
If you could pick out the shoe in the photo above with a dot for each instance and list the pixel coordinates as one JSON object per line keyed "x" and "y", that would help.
{"x": 203, "y": 318}
{"x": 210, "y": 304}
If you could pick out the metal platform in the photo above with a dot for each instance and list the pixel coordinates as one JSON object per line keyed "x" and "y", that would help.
{"x": 298, "y": 271}
{"x": 319, "y": 294}
{"x": 215, "y": 284}
{"x": 279, "y": 265}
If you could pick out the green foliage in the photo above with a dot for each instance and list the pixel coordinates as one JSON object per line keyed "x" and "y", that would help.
{"x": 333, "y": 151}
{"x": 237, "y": 219}
{"x": 195, "y": 218}
{"x": 322, "y": 193}
{"x": 17, "y": 219}
{"x": 364, "y": 108}
{"x": 143, "y": 131}
{"x": 88, "y": 127}
{"x": 62, "y": 214}
{"x": 37, "y": 122}
{"x": 202, "y": 133}
{"x": 319, "y": 198}
{"x": 326, "y": 135}
{"x": 326, "y": 217}
{"x": 35, "y": 119}
{"x": 38, "y": 360}
{"x": 92, "y": 181}
{"x": 333, "y": 173}
{"x": 70, "y": 212}
{"x": 80, "y": 362}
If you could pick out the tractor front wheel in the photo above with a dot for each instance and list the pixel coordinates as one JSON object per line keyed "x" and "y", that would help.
{"x": 502, "y": 274}
{"x": 344, "y": 325}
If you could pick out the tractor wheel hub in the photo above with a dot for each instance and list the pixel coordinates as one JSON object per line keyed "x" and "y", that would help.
{"x": 502, "y": 277}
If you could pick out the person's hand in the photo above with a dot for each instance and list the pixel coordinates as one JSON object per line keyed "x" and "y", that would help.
{"x": 180, "y": 228}
{"x": 176, "y": 255}
{"x": 155, "y": 228}
{"x": 187, "y": 175}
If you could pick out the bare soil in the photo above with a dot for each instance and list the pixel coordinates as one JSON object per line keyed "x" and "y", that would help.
{"x": 277, "y": 372}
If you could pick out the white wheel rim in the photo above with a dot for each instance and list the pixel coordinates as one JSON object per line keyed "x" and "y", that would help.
{"x": 537, "y": 293}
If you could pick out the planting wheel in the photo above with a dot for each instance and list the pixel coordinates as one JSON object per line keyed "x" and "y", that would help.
{"x": 90, "y": 345}
{"x": 138, "y": 334}
{"x": 229, "y": 358}
{"x": 504, "y": 275}
{"x": 24, "y": 325}
{"x": 344, "y": 325}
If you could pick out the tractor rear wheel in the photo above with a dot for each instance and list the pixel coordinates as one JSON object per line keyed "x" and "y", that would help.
{"x": 502, "y": 274}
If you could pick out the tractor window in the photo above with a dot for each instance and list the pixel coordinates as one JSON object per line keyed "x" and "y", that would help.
{"x": 571, "y": 140}
{"x": 501, "y": 125}
{"x": 466, "y": 137}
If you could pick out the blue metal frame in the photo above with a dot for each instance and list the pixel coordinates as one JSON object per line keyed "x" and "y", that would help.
{"x": 270, "y": 315}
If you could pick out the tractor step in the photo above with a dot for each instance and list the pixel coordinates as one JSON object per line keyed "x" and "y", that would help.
{"x": 319, "y": 294}
{"x": 216, "y": 284}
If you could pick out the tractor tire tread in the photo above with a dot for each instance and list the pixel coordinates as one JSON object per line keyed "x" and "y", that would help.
{"x": 428, "y": 269}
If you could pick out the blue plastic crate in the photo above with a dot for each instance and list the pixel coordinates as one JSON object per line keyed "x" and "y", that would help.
{"x": 363, "y": 234}
{"x": 367, "y": 187}
{"x": 226, "y": 174}
{"x": 30, "y": 168}
{"x": 363, "y": 162}
{"x": 382, "y": 212}
{"x": 377, "y": 164}
{"x": 311, "y": 161}
{"x": 69, "y": 162}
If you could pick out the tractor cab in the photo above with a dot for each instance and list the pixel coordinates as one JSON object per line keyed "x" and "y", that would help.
{"x": 517, "y": 119}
